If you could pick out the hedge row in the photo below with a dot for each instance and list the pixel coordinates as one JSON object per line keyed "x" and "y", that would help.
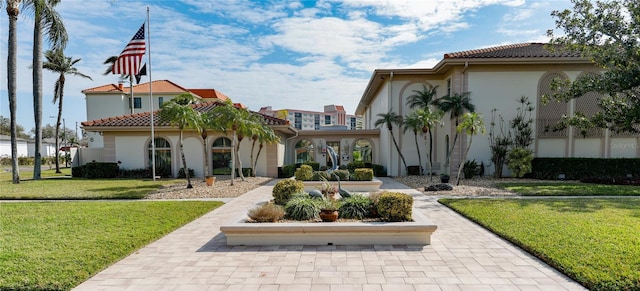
{"x": 288, "y": 171}
{"x": 583, "y": 168}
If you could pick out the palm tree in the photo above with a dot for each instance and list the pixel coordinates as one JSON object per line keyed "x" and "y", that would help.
{"x": 456, "y": 105}
{"x": 46, "y": 20}
{"x": 178, "y": 111}
{"x": 422, "y": 99}
{"x": 413, "y": 122}
{"x": 228, "y": 117}
{"x": 389, "y": 119}
{"x": 472, "y": 124}
{"x": 57, "y": 62}
{"x": 265, "y": 135}
{"x": 250, "y": 123}
{"x": 13, "y": 11}
{"x": 429, "y": 119}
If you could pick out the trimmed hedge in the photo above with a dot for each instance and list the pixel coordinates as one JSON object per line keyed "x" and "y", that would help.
{"x": 583, "y": 168}
{"x": 362, "y": 174}
{"x": 395, "y": 206}
{"x": 96, "y": 171}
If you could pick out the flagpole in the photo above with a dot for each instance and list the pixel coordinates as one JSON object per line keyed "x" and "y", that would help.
{"x": 153, "y": 142}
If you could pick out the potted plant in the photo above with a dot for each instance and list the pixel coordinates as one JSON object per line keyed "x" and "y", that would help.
{"x": 329, "y": 210}
{"x": 444, "y": 178}
{"x": 210, "y": 180}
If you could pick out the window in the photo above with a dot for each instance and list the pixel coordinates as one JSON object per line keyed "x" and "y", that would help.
{"x": 327, "y": 119}
{"x": 160, "y": 101}
{"x": 137, "y": 102}
{"x": 449, "y": 87}
{"x": 221, "y": 157}
{"x": 353, "y": 123}
{"x": 163, "y": 157}
{"x": 362, "y": 151}
{"x": 304, "y": 151}
{"x": 298, "y": 120}
{"x": 316, "y": 122}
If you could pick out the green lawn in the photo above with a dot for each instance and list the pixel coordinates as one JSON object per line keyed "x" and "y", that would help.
{"x": 594, "y": 241}
{"x": 58, "y": 245}
{"x": 570, "y": 189}
{"x": 59, "y": 186}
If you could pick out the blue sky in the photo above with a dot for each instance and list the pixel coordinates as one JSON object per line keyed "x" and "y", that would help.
{"x": 287, "y": 54}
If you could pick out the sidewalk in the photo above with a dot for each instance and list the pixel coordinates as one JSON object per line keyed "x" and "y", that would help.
{"x": 462, "y": 256}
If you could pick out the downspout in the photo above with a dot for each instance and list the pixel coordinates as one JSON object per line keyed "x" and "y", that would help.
{"x": 286, "y": 145}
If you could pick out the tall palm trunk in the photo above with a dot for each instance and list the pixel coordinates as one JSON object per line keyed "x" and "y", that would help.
{"x": 12, "y": 12}
{"x": 398, "y": 149}
{"x": 205, "y": 153}
{"x": 253, "y": 146}
{"x": 237, "y": 157}
{"x": 184, "y": 162}
{"x": 430, "y": 155}
{"x": 255, "y": 163}
{"x": 415, "y": 137}
{"x": 464, "y": 158}
{"x": 37, "y": 92}
{"x": 233, "y": 157}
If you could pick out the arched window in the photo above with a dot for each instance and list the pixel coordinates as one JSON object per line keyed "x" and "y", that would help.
{"x": 304, "y": 151}
{"x": 221, "y": 156}
{"x": 362, "y": 151}
{"x": 163, "y": 157}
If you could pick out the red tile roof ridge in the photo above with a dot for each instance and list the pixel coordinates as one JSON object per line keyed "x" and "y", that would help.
{"x": 486, "y": 50}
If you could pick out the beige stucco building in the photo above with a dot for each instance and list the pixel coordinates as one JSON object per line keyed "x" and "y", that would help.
{"x": 495, "y": 77}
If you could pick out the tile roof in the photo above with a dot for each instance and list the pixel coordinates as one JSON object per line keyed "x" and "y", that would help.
{"x": 520, "y": 50}
{"x": 209, "y": 93}
{"x": 143, "y": 119}
{"x": 158, "y": 86}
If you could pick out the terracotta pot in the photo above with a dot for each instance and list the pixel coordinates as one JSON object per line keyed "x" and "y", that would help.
{"x": 328, "y": 215}
{"x": 210, "y": 180}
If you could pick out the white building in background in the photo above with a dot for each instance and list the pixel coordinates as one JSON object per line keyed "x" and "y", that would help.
{"x": 333, "y": 117}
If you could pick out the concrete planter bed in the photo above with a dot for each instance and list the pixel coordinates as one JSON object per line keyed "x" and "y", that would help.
{"x": 351, "y": 186}
{"x": 417, "y": 232}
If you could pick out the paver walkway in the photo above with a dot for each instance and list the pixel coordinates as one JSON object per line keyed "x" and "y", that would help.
{"x": 462, "y": 256}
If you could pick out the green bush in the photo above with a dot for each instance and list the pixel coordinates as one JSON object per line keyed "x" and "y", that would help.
{"x": 343, "y": 174}
{"x": 470, "y": 169}
{"x": 284, "y": 190}
{"x": 133, "y": 173}
{"x": 245, "y": 172}
{"x": 378, "y": 170}
{"x": 581, "y": 168}
{"x": 519, "y": 161}
{"x": 395, "y": 206}
{"x": 96, "y": 171}
{"x": 302, "y": 208}
{"x": 355, "y": 165}
{"x": 288, "y": 171}
{"x": 355, "y": 207}
{"x": 362, "y": 174}
{"x": 314, "y": 165}
{"x": 304, "y": 173}
{"x": 320, "y": 176}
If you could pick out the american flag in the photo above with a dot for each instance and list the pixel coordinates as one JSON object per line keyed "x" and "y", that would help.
{"x": 128, "y": 62}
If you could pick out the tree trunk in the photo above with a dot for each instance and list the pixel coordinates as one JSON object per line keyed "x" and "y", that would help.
{"x": 464, "y": 158}
{"x": 58, "y": 143}
{"x": 415, "y": 136}
{"x": 255, "y": 165}
{"x": 205, "y": 153}
{"x": 430, "y": 155}
{"x": 12, "y": 12}
{"x": 253, "y": 168}
{"x": 237, "y": 157}
{"x": 64, "y": 130}
{"x": 233, "y": 159}
{"x": 37, "y": 91}
{"x": 184, "y": 162}
{"x": 399, "y": 152}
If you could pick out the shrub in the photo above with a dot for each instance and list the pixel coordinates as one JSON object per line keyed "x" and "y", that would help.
{"x": 580, "y": 168}
{"x": 343, "y": 174}
{"x": 135, "y": 173}
{"x": 302, "y": 208}
{"x": 181, "y": 174}
{"x": 304, "y": 173}
{"x": 314, "y": 165}
{"x": 96, "y": 171}
{"x": 395, "y": 206}
{"x": 470, "y": 169}
{"x": 378, "y": 170}
{"x": 343, "y": 167}
{"x": 288, "y": 171}
{"x": 284, "y": 189}
{"x": 320, "y": 176}
{"x": 362, "y": 174}
{"x": 519, "y": 161}
{"x": 355, "y": 207}
{"x": 355, "y": 165}
{"x": 268, "y": 212}
{"x": 374, "y": 198}
{"x": 245, "y": 172}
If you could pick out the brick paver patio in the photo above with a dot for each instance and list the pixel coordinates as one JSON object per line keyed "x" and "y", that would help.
{"x": 462, "y": 256}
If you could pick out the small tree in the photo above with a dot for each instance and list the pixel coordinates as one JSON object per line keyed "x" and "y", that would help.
{"x": 389, "y": 119}
{"x": 472, "y": 124}
{"x": 520, "y": 156}
{"x": 179, "y": 111}
{"x": 456, "y": 104}
{"x": 414, "y": 123}
{"x": 429, "y": 119}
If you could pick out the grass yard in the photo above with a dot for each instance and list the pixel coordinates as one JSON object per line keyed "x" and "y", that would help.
{"x": 57, "y": 186}
{"x": 594, "y": 241}
{"x": 570, "y": 189}
{"x": 58, "y": 245}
